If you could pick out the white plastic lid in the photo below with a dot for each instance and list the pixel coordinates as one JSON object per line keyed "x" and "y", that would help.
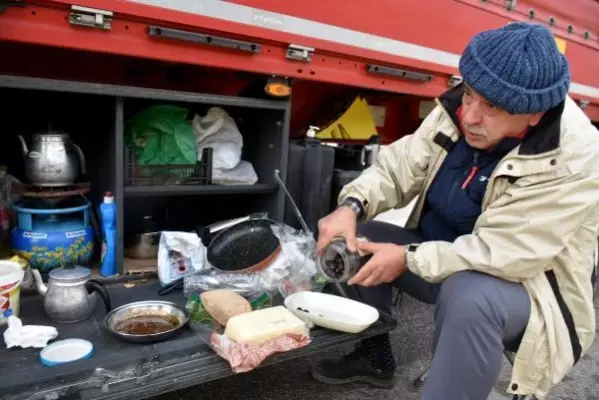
{"x": 65, "y": 351}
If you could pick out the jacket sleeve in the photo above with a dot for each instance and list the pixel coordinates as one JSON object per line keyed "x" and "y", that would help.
{"x": 398, "y": 173}
{"x": 519, "y": 234}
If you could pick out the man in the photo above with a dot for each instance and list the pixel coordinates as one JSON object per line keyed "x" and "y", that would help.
{"x": 504, "y": 231}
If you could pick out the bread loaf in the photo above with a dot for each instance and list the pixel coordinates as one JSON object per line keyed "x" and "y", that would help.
{"x": 222, "y": 304}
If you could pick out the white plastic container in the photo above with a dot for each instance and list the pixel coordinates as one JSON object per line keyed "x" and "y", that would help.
{"x": 332, "y": 312}
{"x": 11, "y": 276}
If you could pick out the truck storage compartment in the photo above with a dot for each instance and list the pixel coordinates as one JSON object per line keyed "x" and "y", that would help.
{"x": 95, "y": 116}
{"x": 64, "y": 163}
{"x": 182, "y": 213}
{"x": 237, "y": 144}
{"x": 88, "y": 120}
{"x": 244, "y": 140}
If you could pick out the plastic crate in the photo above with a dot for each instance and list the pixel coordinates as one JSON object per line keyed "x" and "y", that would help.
{"x": 170, "y": 175}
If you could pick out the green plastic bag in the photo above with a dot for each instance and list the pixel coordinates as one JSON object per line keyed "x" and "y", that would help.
{"x": 161, "y": 135}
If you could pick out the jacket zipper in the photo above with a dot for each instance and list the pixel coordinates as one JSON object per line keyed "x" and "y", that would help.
{"x": 473, "y": 171}
{"x": 456, "y": 183}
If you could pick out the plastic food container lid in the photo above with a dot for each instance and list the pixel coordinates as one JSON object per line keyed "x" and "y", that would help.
{"x": 65, "y": 351}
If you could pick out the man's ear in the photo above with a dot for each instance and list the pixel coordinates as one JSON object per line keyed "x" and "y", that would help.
{"x": 535, "y": 118}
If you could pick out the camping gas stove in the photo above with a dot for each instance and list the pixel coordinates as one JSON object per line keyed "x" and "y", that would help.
{"x": 53, "y": 226}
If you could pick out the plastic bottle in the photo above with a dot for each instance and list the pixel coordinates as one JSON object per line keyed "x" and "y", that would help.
{"x": 108, "y": 213}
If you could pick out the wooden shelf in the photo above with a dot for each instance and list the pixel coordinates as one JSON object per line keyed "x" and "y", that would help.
{"x": 182, "y": 190}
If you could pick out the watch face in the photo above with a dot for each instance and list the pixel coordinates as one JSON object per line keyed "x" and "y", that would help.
{"x": 355, "y": 204}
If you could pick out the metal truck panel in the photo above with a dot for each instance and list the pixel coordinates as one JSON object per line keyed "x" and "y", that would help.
{"x": 346, "y": 38}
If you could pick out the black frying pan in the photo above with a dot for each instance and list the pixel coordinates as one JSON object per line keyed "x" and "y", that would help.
{"x": 248, "y": 246}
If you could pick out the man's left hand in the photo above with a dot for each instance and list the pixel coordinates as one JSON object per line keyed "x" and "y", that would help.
{"x": 386, "y": 264}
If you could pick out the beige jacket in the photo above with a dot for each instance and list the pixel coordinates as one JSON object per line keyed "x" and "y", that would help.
{"x": 539, "y": 226}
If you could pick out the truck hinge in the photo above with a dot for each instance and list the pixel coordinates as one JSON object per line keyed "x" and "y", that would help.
{"x": 299, "y": 53}
{"x": 91, "y": 17}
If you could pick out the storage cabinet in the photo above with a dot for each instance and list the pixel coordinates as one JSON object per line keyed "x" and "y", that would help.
{"x": 95, "y": 116}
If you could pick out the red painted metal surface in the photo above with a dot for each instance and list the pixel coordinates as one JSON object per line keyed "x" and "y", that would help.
{"x": 440, "y": 24}
{"x": 47, "y": 26}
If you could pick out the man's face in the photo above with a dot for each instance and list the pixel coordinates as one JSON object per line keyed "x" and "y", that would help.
{"x": 485, "y": 125}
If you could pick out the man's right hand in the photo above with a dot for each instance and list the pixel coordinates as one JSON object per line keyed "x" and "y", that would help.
{"x": 341, "y": 222}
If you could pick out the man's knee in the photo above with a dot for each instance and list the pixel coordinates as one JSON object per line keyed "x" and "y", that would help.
{"x": 467, "y": 297}
{"x": 471, "y": 298}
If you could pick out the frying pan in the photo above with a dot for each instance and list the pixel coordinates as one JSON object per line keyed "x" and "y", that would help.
{"x": 249, "y": 246}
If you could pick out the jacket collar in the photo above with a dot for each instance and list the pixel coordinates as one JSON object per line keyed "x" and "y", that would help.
{"x": 540, "y": 139}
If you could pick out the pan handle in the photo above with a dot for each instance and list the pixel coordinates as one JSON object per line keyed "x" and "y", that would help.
{"x": 298, "y": 214}
{"x": 222, "y": 225}
{"x": 176, "y": 284}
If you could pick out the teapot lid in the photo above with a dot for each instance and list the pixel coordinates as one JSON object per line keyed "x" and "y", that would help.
{"x": 50, "y": 132}
{"x": 71, "y": 274}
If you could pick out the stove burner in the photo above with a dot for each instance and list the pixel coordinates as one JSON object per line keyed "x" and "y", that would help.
{"x": 50, "y": 193}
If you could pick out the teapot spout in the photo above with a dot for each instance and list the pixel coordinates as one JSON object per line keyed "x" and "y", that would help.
{"x": 24, "y": 148}
{"x": 39, "y": 283}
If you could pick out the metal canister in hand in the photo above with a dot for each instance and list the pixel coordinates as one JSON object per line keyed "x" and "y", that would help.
{"x": 337, "y": 264}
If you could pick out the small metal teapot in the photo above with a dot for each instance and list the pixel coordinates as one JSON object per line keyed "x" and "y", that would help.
{"x": 71, "y": 296}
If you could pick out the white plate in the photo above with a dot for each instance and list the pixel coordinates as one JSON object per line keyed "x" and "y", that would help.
{"x": 65, "y": 351}
{"x": 332, "y": 312}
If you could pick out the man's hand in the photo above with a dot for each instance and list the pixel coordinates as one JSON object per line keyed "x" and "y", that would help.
{"x": 341, "y": 222}
{"x": 386, "y": 264}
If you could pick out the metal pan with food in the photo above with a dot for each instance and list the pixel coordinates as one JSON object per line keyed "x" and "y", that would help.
{"x": 147, "y": 321}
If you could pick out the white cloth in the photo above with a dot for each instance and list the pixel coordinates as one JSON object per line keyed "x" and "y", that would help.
{"x": 25, "y": 336}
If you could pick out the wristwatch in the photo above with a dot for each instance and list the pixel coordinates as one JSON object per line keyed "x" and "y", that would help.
{"x": 409, "y": 251}
{"x": 411, "y": 247}
{"x": 356, "y": 205}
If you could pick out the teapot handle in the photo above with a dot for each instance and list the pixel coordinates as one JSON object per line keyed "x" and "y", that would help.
{"x": 93, "y": 285}
{"x": 81, "y": 158}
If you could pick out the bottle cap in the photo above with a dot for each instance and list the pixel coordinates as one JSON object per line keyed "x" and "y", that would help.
{"x": 108, "y": 198}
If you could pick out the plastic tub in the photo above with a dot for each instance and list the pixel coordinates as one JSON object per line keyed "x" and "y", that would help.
{"x": 11, "y": 276}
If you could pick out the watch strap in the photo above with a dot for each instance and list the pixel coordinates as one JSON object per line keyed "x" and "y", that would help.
{"x": 356, "y": 206}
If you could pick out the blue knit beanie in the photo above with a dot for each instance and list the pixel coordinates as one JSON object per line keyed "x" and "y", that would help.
{"x": 517, "y": 68}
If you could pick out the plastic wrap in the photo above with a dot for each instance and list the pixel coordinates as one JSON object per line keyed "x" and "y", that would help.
{"x": 292, "y": 270}
{"x": 242, "y": 357}
{"x": 243, "y": 174}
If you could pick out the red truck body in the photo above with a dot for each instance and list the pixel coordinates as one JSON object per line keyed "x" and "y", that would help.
{"x": 388, "y": 46}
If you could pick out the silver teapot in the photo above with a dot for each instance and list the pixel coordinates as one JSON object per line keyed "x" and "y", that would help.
{"x": 71, "y": 296}
{"x": 52, "y": 160}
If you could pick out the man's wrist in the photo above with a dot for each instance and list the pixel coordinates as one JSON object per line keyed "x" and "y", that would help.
{"x": 355, "y": 205}
{"x": 410, "y": 256}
